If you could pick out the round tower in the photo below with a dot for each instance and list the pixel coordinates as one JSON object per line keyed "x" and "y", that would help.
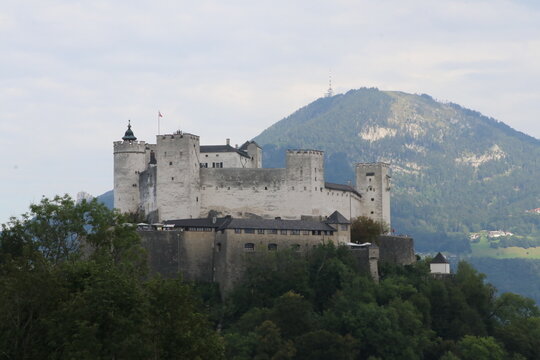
{"x": 129, "y": 162}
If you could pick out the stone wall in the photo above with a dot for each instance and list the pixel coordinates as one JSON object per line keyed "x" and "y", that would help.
{"x": 396, "y": 250}
{"x": 180, "y": 252}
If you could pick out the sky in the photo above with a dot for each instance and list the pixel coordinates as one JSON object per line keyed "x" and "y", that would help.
{"x": 72, "y": 73}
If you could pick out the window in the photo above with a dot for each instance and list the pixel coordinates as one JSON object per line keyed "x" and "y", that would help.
{"x": 272, "y": 231}
{"x": 370, "y": 174}
{"x": 372, "y": 199}
{"x": 249, "y": 247}
{"x": 343, "y": 227}
{"x": 172, "y": 178}
{"x": 249, "y": 231}
{"x": 260, "y": 231}
{"x": 265, "y": 188}
{"x": 283, "y": 232}
{"x": 306, "y": 232}
{"x": 237, "y": 231}
{"x": 206, "y": 155}
{"x": 372, "y": 212}
{"x": 218, "y": 247}
{"x": 295, "y": 232}
{"x": 272, "y": 247}
{"x": 170, "y": 162}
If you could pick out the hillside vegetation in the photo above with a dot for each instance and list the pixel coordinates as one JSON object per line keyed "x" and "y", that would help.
{"x": 74, "y": 285}
{"x": 455, "y": 171}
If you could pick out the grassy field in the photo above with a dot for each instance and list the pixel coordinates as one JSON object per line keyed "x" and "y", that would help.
{"x": 482, "y": 249}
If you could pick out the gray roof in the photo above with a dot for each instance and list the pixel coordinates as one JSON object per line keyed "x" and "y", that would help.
{"x": 276, "y": 224}
{"x": 247, "y": 143}
{"x": 341, "y": 187}
{"x": 337, "y": 218}
{"x": 222, "y": 148}
{"x": 439, "y": 259}
{"x": 199, "y": 222}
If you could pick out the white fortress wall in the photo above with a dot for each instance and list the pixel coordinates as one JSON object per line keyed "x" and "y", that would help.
{"x": 240, "y": 192}
{"x": 346, "y": 202}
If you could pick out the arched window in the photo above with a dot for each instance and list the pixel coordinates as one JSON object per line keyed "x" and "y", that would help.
{"x": 272, "y": 247}
{"x": 249, "y": 247}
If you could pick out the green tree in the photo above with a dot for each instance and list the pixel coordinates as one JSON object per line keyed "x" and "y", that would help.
{"x": 365, "y": 229}
{"x": 474, "y": 348}
{"x": 73, "y": 285}
{"x": 322, "y": 345}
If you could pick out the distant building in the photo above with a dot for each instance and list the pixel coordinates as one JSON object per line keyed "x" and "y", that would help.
{"x": 439, "y": 265}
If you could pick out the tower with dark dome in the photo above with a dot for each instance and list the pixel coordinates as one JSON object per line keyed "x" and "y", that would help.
{"x": 129, "y": 162}
{"x": 129, "y": 136}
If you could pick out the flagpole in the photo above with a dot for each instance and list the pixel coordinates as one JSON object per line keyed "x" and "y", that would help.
{"x": 158, "y": 132}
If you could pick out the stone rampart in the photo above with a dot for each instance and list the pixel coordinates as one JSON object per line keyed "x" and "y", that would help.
{"x": 396, "y": 249}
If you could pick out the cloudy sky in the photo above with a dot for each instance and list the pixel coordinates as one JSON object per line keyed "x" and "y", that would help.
{"x": 73, "y": 72}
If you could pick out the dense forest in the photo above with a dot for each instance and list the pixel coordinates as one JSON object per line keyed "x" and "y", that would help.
{"x": 74, "y": 285}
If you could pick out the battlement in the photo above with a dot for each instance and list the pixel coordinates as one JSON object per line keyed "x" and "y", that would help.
{"x": 305, "y": 152}
{"x": 373, "y": 164}
{"x": 129, "y": 146}
{"x": 178, "y": 135}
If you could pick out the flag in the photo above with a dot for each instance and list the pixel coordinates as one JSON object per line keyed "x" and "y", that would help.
{"x": 160, "y": 114}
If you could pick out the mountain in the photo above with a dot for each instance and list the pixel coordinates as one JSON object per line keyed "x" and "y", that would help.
{"x": 455, "y": 171}
{"x": 107, "y": 199}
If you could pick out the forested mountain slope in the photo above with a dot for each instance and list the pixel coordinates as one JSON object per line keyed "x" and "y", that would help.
{"x": 455, "y": 171}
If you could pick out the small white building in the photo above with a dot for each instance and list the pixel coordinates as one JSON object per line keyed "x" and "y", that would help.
{"x": 439, "y": 265}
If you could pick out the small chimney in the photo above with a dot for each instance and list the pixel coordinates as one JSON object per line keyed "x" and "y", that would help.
{"x": 228, "y": 141}
{"x": 236, "y": 146}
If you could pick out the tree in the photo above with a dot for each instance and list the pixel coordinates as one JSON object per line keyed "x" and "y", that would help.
{"x": 474, "y": 348}
{"x": 73, "y": 285}
{"x": 365, "y": 229}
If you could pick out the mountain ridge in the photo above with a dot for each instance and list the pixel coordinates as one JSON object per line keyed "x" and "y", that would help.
{"x": 455, "y": 170}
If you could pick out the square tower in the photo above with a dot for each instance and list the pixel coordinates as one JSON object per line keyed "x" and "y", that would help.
{"x": 373, "y": 182}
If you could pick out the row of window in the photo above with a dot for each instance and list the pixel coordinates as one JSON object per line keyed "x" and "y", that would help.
{"x": 271, "y": 247}
{"x": 216, "y": 165}
{"x": 284, "y": 232}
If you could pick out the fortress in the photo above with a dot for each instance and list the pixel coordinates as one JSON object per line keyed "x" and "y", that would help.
{"x": 177, "y": 178}
{"x": 213, "y": 206}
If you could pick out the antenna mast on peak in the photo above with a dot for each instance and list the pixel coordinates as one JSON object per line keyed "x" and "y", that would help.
{"x": 330, "y": 92}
